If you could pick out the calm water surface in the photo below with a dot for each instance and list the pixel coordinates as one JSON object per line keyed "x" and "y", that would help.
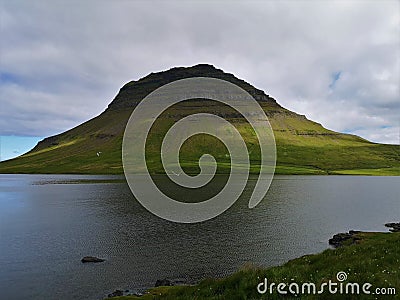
{"x": 49, "y": 222}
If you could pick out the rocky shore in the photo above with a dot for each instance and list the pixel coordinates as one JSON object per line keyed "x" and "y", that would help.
{"x": 159, "y": 282}
{"x": 344, "y": 239}
{"x": 340, "y": 240}
{"x": 352, "y": 237}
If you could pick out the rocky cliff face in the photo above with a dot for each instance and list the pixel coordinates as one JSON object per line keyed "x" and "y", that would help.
{"x": 134, "y": 91}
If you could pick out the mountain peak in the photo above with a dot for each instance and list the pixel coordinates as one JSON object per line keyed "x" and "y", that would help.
{"x": 201, "y": 66}
{"x": 134, "y": 91}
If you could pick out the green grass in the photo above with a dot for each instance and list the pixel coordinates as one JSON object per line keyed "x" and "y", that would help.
{"x": 374, "y": 259}
{"x": 395, "y": 171}
{"x": 298, "y": 170}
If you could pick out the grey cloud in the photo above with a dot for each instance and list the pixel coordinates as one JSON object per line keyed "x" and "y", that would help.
{"x": 72, "y": 57}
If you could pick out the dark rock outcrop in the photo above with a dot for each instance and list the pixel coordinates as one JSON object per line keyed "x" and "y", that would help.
{"x": 394, "y": 227}
{"x": 116, "y": 293}
{"x": 341, "y": 239}
{"x": 163, "y": 282}
{"x": 134, "y": 91}
{"x": 91, "y": 259}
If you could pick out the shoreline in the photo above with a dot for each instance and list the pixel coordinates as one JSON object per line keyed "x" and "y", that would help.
{"x": 381, "y": 172}
{"x": 362, "y": 243}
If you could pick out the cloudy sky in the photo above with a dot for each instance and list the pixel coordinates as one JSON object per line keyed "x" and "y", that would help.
{"x": 62, "y": 62}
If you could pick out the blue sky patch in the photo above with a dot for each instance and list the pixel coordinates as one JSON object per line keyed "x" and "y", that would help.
{"x": 9, "y": 78}
{"x": 335, "y": 77}
{"x": 353, "y": 130}
{"x": 13, "y": 146}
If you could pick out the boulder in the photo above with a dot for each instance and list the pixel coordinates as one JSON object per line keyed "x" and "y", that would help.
{"x": 116, "y": 293}
{"x": 163, "y": 282}
{"x": 341, "y": 239}
{"x": 394, "y": 227}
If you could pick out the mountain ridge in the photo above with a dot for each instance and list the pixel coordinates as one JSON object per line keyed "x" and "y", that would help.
{"x": 158, "y": 79}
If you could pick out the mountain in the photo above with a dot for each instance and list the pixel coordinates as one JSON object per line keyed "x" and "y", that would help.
{"x": 303, "y": 146}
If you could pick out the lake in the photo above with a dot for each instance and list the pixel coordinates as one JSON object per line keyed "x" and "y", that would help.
{"x": 49, "y": 222}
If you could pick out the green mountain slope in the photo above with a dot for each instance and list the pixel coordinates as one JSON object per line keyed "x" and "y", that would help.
{"x": 303, "y": 146}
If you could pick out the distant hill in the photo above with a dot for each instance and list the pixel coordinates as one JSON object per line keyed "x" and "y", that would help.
{"x": 303, "y": 146}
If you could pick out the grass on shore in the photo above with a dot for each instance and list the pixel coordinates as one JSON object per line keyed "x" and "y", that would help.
{"x": 395, "y": 171}
{"x": 374, "y": 259}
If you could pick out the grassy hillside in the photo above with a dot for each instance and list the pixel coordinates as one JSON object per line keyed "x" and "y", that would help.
{"x": 374, "y": 259}
{"x": 303, "y": 146}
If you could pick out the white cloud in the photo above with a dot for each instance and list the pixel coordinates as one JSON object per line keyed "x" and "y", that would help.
{"x": 65, "y": 61}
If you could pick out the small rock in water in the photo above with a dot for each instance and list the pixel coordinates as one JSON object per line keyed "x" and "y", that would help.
{"x": 91, "y": 259}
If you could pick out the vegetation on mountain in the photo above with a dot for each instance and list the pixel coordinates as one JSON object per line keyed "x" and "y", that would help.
{"x": 303, "y": 146}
